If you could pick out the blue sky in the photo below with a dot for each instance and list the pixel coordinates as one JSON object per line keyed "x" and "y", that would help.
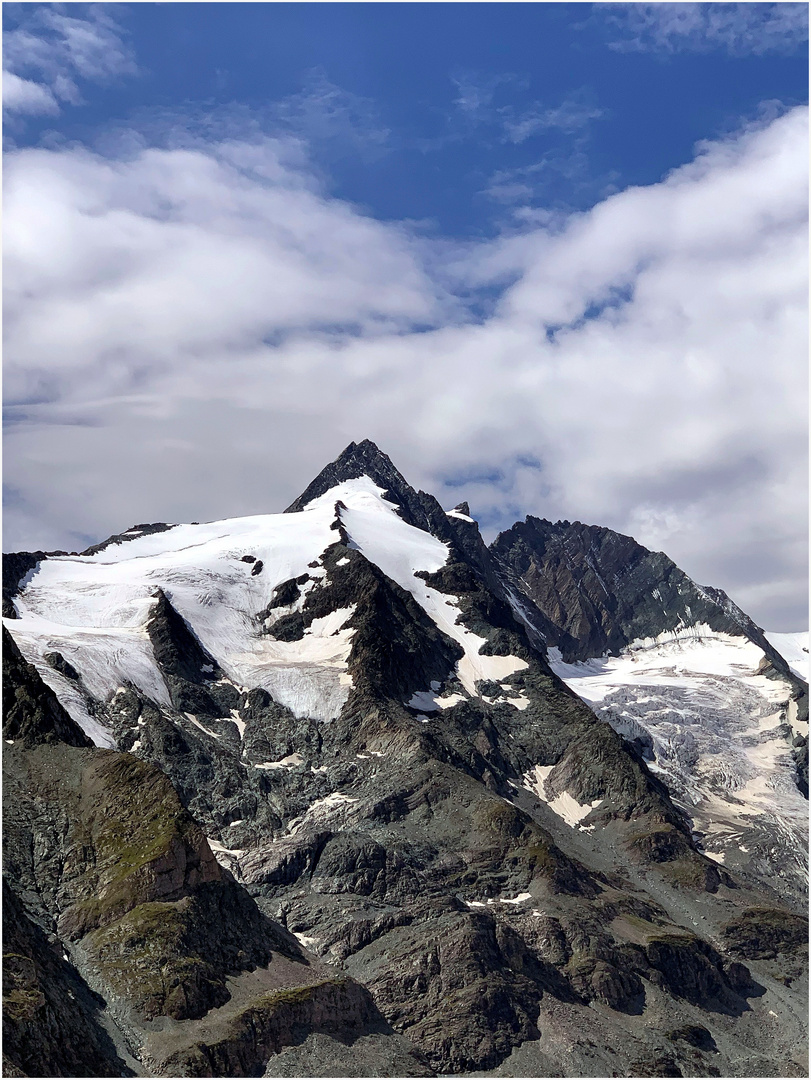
{"x": 542, "y": 253}
{"x": 447, "y": 114}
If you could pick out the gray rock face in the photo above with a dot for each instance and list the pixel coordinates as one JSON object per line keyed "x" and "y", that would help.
{"x": 599, "y": 590}
{"x": 50, "y": 1015}
{"x": 438, "y": 879}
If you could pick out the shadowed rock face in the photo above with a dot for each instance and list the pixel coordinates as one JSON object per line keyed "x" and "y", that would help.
{"x": 600, "y": 590}
{"x": 436, "y": 879}
{"x": 50, "y": 1016}
{"x": 31, "y": 711}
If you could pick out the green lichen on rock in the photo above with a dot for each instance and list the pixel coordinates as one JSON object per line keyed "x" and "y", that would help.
{"x": 146, "y": 846}
{"x": 672, "y": 851}
{"x": 146, "y": 958}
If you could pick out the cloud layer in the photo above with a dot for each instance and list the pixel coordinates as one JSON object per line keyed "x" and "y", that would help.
{"x": 193, "y": 332}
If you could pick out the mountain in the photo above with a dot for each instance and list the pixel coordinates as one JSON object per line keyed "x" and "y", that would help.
{"x": 341, "y": 799}
{"x": 681, "y": 671}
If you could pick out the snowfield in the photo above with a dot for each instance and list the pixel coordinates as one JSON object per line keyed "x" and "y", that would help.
{"x": 94, "y": 609}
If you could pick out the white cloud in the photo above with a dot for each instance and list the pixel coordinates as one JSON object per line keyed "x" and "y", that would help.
{"x": 48, "y": 53}
{"x": 573, "y": 114}
{"x": 475, "y": 101}
{"x": 27, "y": 96}
{"x": 323, "y": 112}
{"x": 475, "y": 92}
{"x": 739, "y": 29}
{"x": 194, "y": 332}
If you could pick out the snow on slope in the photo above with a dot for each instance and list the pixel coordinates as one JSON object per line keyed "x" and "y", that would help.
{"x": 94, "y": 609}
{"x": 399, "y": 550}
{"x": 564, "y": 805}
{"x": 794, "y": 650}
{"x": 717, "y": 732}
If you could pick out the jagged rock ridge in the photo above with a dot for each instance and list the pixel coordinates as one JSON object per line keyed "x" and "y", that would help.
{"x": 600, "y": 591}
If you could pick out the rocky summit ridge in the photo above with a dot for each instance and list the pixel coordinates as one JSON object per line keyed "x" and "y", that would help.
{"x": 345, "y": 791}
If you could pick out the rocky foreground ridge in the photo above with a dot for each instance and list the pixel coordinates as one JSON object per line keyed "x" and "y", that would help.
{"x": 311, "y": 794}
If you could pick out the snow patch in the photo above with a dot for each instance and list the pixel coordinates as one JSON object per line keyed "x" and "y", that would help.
{"x": 323, "y": 810}
{"x": 228, "y": 858}
{"x": 430, "y": 702}
{"x": 520, "y": 899}
{"x": 564, "y": 805}
{"x": 307, "y": 942}
{"x": 196, "y": 722}
{"x": 329, "y": 625}
{"x": 288, "y": 762}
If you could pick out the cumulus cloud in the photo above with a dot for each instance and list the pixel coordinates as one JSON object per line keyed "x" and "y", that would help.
{"x": 193, "y": 332}
{"x": 26, "y": 96}
{"x": 48, "y": 53}
{"x": 739, "y": 29}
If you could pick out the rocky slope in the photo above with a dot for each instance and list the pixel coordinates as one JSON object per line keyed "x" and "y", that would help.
{"x": 122, "y": 932}
{"x": 430, "y": 853}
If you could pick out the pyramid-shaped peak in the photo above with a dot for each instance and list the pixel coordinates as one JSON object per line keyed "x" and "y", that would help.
{"x": 357, "y": 459}
{"x": 365, "y": 453}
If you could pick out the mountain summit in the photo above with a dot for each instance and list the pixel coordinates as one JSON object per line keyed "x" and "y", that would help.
{"x": 375, "y": 799}
{"x": 356, "y": 460}
{"x": 365, "y": 459}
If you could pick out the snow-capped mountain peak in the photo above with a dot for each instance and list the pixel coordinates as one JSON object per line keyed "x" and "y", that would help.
{"x": 354, "y": 701}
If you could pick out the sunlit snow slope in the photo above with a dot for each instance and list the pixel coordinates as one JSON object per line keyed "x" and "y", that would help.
{"x": 718, "y": 732}
{"x": 794, "y": 650}
{"x": 94, "y": 609}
